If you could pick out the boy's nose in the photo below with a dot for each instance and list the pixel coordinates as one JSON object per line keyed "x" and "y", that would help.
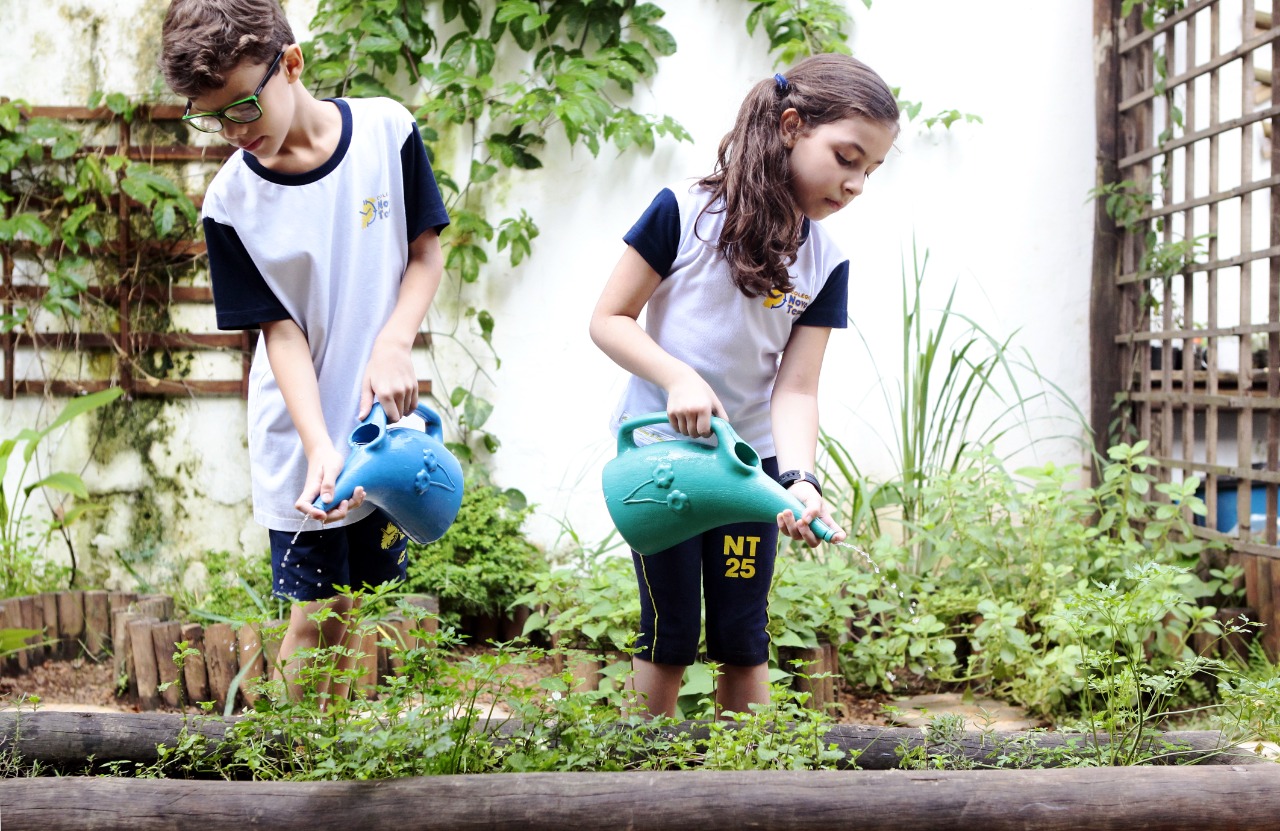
{"x": 232, "y": 131}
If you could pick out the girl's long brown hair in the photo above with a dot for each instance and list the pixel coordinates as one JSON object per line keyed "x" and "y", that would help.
{"x": 762, "y": 224}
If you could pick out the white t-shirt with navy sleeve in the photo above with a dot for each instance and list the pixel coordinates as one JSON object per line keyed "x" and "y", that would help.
{"x": 327, "y": 249}
{"x": 699, "y": 316}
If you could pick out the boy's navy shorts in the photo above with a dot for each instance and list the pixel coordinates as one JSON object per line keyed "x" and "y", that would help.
{"x": 366, "y": 553}
{"x": 733, "y": 566}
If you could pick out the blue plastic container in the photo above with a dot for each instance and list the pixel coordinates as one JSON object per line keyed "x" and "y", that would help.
{"x": 1228, "y": 513}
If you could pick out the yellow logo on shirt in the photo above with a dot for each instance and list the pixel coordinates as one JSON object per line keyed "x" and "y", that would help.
{"x": 794, "y": 302}
{"x": 391, "y": 535}
{"x": 373, "y": 209}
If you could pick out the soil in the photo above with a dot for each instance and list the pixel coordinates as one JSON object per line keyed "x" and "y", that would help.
{"x": 84, "y": 684}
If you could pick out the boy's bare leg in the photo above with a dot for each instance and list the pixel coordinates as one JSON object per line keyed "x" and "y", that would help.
{"x": 304, "y": 633}
{"x": 657, "y": 686}
{"x": 339, "y": 686}
{"x": 739, "y": 687}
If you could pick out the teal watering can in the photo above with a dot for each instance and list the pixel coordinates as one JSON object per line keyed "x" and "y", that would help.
{"x": 407, "y": 473}
{"x": 664, "y": 493}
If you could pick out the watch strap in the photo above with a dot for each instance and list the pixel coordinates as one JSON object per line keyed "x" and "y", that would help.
{"x": 790, "y": 477}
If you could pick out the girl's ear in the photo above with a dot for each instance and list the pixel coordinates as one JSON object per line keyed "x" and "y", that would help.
{"x": 789, "y": 126}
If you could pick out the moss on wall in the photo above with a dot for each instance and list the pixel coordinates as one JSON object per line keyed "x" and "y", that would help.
{"x": 145, "y": 426}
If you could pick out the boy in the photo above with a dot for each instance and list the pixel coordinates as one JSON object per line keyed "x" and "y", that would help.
{"x": 322, "y": 230}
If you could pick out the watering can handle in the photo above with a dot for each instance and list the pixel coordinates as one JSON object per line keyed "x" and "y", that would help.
{"x": 378, "y": 417}
{"x": 431, "y": 421}
{"x": 730, "y": 443}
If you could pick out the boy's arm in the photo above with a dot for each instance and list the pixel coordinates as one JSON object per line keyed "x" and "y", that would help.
{"x": 794, "y": 413}
{"x": 614, "y": 328}
{"x": 390, "y": 377}
{"x": 295, "y": 374}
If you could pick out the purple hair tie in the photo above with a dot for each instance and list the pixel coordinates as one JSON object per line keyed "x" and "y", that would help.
{"x": 782, "y": 84}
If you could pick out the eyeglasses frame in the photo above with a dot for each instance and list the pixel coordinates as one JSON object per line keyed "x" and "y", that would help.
{"x": 189, "y": 117}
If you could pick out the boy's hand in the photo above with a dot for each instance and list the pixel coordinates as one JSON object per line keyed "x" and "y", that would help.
{"x": 690, "y": 405}
{"x": 815, "y": 507}
{"x": 323, "y": 467}
{"x": 391, "y": 380}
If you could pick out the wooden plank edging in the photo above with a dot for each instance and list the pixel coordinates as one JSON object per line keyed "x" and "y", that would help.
{"x": 60, "y": 738}
{"x": 1169, "y": 798}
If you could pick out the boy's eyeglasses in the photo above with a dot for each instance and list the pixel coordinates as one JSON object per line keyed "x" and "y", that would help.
{"x": 237, "y": 112}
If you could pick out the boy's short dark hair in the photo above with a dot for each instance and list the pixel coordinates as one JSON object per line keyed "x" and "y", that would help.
{"x": 205, "y": 39}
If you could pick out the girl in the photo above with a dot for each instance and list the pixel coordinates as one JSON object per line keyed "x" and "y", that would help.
{"x": 741, "y": 290}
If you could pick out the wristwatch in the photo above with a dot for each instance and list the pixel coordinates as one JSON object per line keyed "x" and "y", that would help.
{"x": 790, "y": 477}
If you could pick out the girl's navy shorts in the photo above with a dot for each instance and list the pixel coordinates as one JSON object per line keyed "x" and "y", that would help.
{"x": 370, "y": 552}
{"x": 732, "y": 566}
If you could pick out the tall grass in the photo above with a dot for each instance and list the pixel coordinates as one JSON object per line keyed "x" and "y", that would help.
{"x": 954, "y": 374}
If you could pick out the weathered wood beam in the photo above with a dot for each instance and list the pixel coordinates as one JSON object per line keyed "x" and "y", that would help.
{"x": 66, "y": 740}
{"x": 1129, "y": 799}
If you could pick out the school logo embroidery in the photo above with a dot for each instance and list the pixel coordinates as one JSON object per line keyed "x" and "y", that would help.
{"x": 373, "y": 209}
{"x": 794, "y": 302}
{"x": 391, "y": 535}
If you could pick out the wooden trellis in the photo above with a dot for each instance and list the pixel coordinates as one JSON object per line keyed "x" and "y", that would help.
{"x": 1186, "y": 299}
{"x": 137, "y": 356}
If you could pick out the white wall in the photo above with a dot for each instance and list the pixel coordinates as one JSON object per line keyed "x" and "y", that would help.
{"x": 1000, "y": 206}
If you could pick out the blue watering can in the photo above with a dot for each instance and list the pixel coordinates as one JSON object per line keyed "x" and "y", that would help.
{"x": 407, "y": 473}
{"x": 664, "y": 493}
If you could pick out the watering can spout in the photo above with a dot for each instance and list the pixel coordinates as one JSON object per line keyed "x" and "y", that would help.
{"x": 664, "y": 493}
{"x": 407, "y": 473}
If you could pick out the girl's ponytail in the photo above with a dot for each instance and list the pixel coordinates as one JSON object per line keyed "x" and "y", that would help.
{"x": 750, "y": 183}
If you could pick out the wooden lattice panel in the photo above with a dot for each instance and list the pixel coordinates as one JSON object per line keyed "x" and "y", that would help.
{"x": 119, "y": 345}
{"x": 1187, "y": 291}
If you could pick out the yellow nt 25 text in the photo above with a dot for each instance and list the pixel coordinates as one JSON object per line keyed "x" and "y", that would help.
{"x": 740, "y": 556}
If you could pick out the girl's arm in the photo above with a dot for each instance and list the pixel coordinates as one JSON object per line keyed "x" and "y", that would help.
{"x": 390, "y": 377}
{"x": 794, "y": 412}
{"x": 615, "y": 329}
{"x": 290, "y": 359}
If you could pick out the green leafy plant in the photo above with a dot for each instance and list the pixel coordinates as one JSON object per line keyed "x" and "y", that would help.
{"x": 803, "y": 608}
{"x": 1126, "y": 699}
{"x": 1003, "y": 555}
{"x": 484, "y": 563}
{"x": 23, "y": 568}
{"x": 590, "y": 602}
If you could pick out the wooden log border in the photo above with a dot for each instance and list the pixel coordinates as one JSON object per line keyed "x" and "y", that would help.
{"x": 1233, "y": 798}
{"x": 139, "y": 633}
{"x": 66, "y": 739}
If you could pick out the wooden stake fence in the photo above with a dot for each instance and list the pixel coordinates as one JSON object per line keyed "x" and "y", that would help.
{"x": 139, "y": 635}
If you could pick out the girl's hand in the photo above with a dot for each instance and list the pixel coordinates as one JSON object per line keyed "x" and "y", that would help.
{"x": 690, "y": 405}
{"x": 323, "y": 467}
{"x": 391, "y": 380}
{"x": 815, "y": 507}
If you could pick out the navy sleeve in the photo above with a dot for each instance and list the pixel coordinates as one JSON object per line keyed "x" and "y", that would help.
{"x": 656, "y": 234}
{"x": 423, "y": 206}
{"x": 831, "y": 307}
{"x": 241, "y": 298}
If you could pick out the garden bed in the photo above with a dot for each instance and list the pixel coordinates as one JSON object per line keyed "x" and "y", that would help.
{"x": 88, "y": 685}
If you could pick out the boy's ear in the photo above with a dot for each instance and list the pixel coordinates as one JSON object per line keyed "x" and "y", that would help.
{"x": 293, "y": 62}
{"x": 790, "y": 125}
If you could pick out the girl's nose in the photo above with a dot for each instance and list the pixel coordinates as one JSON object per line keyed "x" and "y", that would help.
{"x": 854, "y": 184}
